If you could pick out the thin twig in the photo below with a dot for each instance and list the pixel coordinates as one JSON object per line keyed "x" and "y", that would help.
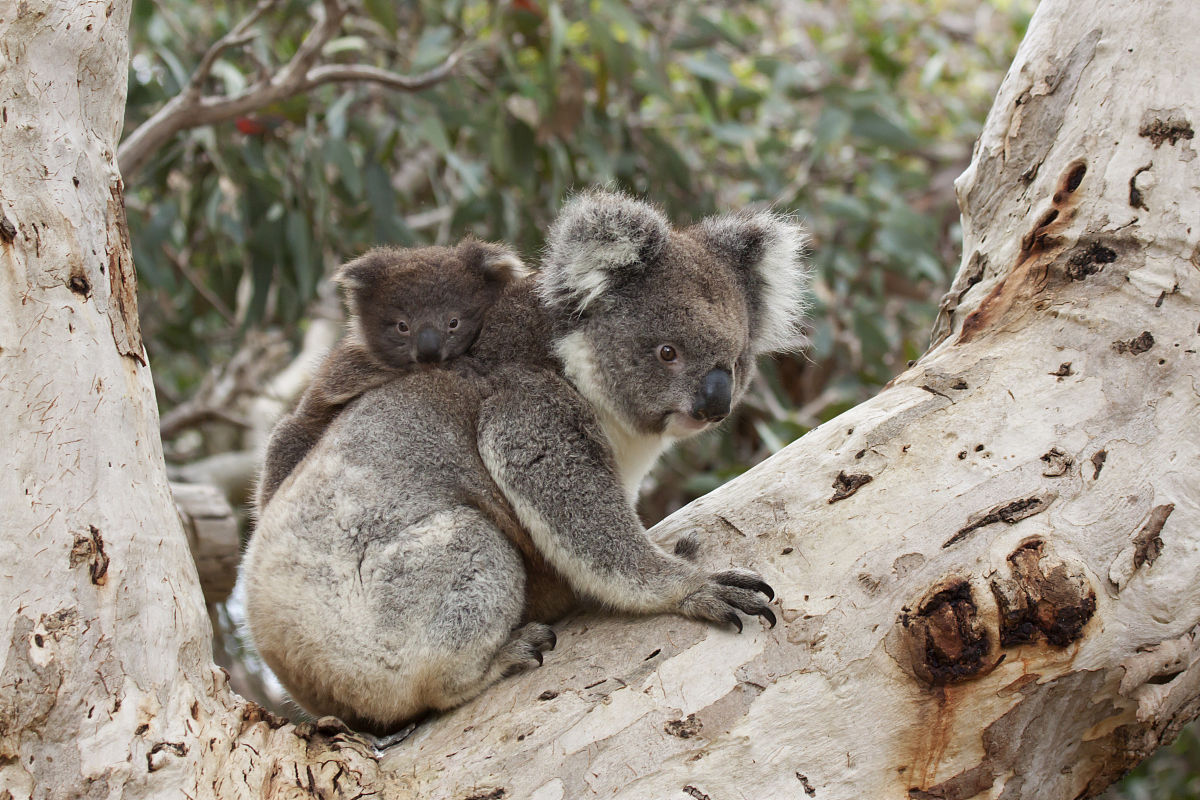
{"x": 341, "y": 73}
{"x": 179, "y": 260}
{"x": 239, "y": 35}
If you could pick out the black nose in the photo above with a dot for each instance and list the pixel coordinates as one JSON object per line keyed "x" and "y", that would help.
{"x": 429, "y": 345}
{"x": 712, "y": 400}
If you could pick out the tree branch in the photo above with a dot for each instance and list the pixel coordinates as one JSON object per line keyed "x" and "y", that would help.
{"x": 240, "y": 34}
{"x": 342, "y": 73}
{"x": 191, "y": 109}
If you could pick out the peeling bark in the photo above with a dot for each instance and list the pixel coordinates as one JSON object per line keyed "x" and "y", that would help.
{"x": 1041, "y": 654}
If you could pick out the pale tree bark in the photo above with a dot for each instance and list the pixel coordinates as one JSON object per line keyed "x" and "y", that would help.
{"x": 987, "y": 573}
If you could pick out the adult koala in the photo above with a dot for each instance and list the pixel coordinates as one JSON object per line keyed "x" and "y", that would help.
{"x": 390, "y": 573}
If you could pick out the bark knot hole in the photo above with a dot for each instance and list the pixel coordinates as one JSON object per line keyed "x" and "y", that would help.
{"x": 946, "y": 640}
{"x": 1041, "y": 598}
{"x": 1074, "y": 177}
{"x": 79, "y": 285}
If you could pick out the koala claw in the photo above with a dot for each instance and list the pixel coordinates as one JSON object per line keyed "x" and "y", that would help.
{"x": 744, "y": 579}
{"x": 768, "y": 615}
{"x": 333, "y": 727}
{"x": 524, "y": 650}
{"x": 727, "y": 593}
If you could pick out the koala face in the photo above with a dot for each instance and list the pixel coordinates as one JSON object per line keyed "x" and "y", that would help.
{"x": 663, "y": 326}
{"x": 669, "y": 352}
{"x": 425, "y": 305}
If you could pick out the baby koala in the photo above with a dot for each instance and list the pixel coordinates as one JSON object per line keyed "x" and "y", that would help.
{"x": 407, "y": 306}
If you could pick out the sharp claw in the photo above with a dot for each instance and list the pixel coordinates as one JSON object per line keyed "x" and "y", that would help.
{"x": 553, "y": 641}
{"x": 538, "y": 655}
{"x": 767, "y": 614}
{"x": 765, "y": 588}
{"x": 735, "y": 619}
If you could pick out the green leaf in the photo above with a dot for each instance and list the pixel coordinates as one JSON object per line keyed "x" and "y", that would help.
{"x": 558, "y": 35}
{"x": 711, "y": 66}
{"x": 301, "y": 250}
{"x": 230, "y": 76}
{"x": 339, "y": 155}
{"x": 381, "y": 198}
{"x": 335, "y": 115}
{"x": 344, "y": 44}
{"x": 875, "y": 128}
{"x": 432, "y": 48}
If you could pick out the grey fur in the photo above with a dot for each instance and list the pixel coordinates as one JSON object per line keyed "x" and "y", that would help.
{"x": 449, "y": 507}
{"x": 444, "y": 291}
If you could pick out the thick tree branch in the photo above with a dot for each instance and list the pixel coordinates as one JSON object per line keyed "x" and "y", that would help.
{"x": 192, "y": 109}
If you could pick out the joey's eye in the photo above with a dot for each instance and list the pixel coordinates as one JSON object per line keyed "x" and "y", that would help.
{"x": 402, "y": 326}
{"x": 453, "y": 323}
{"x": 667, "y": 354}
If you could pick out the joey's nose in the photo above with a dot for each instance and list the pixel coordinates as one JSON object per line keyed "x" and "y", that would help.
{"x": 429, "y": 345}
{"x": 712, "y": 400}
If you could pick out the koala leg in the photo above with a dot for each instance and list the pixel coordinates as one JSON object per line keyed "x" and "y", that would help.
{"x": 290, "y": 441}
{"x": 449, "y": 594}
{"x": 523, "y": 651}
{"x": 395, "y": 620}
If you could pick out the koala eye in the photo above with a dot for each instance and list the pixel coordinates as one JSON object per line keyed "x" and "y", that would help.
{"x": 667, "y": 353}
{"x": 402, "y": 326}
{"x": 453, "y": 323}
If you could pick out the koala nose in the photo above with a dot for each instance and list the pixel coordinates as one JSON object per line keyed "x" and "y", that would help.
{"x": 429, "y": 345}
{"x": 712, "y": 401}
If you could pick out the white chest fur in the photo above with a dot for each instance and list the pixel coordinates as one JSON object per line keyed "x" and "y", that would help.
{"x": 635, "y": 452}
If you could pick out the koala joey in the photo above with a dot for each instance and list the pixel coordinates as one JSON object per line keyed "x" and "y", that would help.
{"x": 444, "y": 517}
{"x": 407, "y": 306}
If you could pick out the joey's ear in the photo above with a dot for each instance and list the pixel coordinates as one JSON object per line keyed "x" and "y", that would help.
{"x": 497, "y": 262}
{"x": 599, "y": 240}
{"x": 767, "y": 251}
{"x": 364, "y": 271}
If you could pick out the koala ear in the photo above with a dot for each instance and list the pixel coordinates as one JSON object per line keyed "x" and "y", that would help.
{"x": 364, "y": 271}
{"x": 497, "y": 262}
{"x": 600, "y": 240}
{"x": 767, "y": 250}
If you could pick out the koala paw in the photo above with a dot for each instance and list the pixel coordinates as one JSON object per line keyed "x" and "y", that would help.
{"x": 726, "y": 593}
{"x": 524, "y": 650}
{"x": 332, "y": 727}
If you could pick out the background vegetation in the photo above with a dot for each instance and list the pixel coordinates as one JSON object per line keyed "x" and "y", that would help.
{"x": 856, "y": 115}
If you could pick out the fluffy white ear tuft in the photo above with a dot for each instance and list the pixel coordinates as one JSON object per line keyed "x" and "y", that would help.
{"x": 768, "y": 249}
{"x": 599, "y": 240}
{"x": 506, "y": 266}
{"x": 497, "y": 262}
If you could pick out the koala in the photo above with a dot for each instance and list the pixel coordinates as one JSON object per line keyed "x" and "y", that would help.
{"x": 407, "y": 307}
{"x": 445, "y": 517}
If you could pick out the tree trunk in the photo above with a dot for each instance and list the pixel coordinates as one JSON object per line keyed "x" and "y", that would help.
{"x": 987, "y": 573}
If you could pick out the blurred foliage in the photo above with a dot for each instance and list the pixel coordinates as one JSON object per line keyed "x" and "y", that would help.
{"x": 854, "y": 114}
{"x": 1172, "y": 774}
